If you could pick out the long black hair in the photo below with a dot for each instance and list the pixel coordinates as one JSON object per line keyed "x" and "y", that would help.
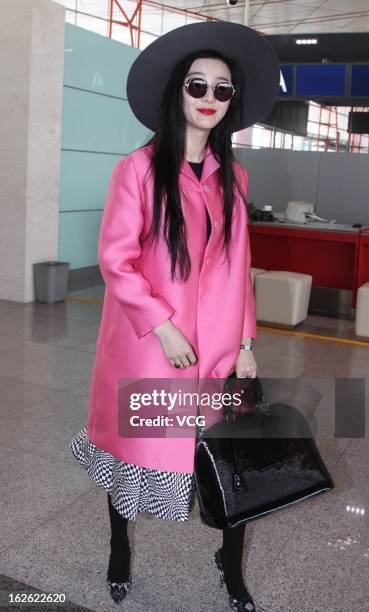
{"x": 168, "y": 155}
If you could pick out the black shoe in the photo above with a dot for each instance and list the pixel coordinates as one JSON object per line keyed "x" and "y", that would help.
{"x": 237, "y": 604}
{"x": 118, "y": 590}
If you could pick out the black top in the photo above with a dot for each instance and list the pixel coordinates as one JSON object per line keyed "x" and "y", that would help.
{"x": 197, "y": 168}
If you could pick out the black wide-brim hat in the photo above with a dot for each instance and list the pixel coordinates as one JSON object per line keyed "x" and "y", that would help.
{"x": 257, "y": 58}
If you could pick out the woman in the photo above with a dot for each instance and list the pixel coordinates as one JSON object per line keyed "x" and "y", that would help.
{"x": 174, "y": 253}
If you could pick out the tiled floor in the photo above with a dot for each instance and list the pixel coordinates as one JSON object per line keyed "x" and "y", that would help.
{"x": 54, "y": 520}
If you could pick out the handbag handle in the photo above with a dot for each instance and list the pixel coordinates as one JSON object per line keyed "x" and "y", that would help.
{"x": 253, "y": 389}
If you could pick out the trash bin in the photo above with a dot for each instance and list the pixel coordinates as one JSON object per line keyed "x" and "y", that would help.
{"x": 51, "y": 281}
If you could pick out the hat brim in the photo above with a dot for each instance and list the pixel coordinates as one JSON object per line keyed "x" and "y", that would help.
{"x": 151, "y": 70}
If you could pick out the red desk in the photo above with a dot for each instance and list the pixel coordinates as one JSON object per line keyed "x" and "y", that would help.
{"x": 337, "y": 258}
{"x": 362, "y": 275}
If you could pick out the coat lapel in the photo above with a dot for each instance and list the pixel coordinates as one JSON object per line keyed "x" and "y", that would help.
{"x": 210, "y": 166}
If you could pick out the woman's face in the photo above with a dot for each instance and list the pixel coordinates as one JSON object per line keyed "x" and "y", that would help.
{"x": 212, "y": 71}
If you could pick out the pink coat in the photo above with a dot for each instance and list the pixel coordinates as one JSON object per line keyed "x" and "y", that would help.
{"x": 213, "y": 310}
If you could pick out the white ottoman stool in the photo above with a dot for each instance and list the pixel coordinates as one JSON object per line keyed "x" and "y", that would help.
{"x": 362, "y": 311}
{"x": 282, "y": 297}
{"x": 254, "y": 272}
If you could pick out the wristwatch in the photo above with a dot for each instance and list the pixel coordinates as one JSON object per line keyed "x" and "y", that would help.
{"x": 249, "y": 346}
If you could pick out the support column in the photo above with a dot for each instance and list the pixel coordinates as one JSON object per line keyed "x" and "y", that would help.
{"x": 31, "y": 77}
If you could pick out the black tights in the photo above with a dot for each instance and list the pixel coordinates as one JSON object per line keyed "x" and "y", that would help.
{"x": 120, "y": 558}
{"x": 231, "y": 553}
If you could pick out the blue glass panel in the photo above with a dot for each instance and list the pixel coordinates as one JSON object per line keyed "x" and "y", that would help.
{"x": 95, "y": 62}
{"x": 320, "y": 80}
{"x": 78, "y": 236}
{"x": 98, "y": 129}
{"x": 92, "y": 122}
{"x": 85, "y": 178}
{"x": 286, "y": 88}
{"x": 360, "y": 80}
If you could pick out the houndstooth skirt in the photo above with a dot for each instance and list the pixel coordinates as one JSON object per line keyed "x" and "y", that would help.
{"x": 133, "y": 489}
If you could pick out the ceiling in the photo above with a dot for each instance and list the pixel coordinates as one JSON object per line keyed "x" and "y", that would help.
{"x": 284, "y": 16}
{"x": 331, "y": 47}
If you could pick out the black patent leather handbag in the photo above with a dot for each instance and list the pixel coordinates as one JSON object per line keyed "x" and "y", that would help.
{"x": 259, "y": 459}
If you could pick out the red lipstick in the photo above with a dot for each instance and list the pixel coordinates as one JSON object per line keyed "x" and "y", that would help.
{"x": 206, "y": 111}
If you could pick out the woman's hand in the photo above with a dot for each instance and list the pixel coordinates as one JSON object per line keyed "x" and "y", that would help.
{"x": 245, "y": 365}
{"x": 175, "y": 345}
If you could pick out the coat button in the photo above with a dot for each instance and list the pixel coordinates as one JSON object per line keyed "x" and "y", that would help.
{"x": 203, "y": 300}
{"x": 216, "y": 223}
{"x": 206, "y": 188}
{"x": 208, "y": 261}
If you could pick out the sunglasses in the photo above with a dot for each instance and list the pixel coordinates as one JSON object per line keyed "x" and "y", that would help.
{"x": 197, "y": 88}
